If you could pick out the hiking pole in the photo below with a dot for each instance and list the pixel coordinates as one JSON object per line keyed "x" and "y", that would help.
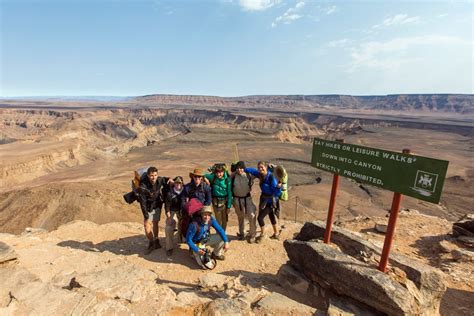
{"x": 332, "y": 203}
{"x": 392, "y": 221}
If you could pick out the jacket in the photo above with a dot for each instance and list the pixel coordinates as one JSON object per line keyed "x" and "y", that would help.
{"x": 173, "y": 200}
{"x": 151, "y": 197}
{"x": 268, "y": 185}
{"x": 221, "y": 188}
{"x": 193, "y": 236}
{"x": 202, "y": 193}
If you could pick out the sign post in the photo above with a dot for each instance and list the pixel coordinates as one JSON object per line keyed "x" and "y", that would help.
{"x": 392, "y": 222}
{"x": 332, "y": 204}
{"x": 402, "y": 173}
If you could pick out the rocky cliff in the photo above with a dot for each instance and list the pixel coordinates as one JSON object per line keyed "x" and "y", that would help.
{"x": 458, "y": 103}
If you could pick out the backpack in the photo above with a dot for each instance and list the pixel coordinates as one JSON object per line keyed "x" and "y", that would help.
{"x": 131, "y": 197}
{"x": 283, "y": 179}
{"x": 138, "y": 175}
{"x": 189, "y": 214}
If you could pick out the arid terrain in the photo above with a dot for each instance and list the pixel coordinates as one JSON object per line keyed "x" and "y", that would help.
{"x": 66, "y": 160}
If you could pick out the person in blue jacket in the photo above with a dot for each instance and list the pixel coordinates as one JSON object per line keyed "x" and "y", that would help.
{"x": 199, "y": 236}
{"x": 269, "y": 204}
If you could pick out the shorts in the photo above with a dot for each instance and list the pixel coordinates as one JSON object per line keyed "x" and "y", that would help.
{"x": 154, "y": 215}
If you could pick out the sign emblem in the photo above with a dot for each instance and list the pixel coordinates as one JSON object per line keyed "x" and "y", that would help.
{"x": 426, "y": 181}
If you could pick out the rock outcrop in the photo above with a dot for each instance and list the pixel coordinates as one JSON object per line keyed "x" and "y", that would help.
{"x": 412, "y": 286}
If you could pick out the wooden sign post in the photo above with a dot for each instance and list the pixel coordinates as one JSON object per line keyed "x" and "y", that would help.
{"x": 415, "y": 176}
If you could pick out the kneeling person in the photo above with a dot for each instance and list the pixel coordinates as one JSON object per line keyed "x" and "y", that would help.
{"x": 199, "y": 236}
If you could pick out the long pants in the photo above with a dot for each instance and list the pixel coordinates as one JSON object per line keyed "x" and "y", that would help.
{"x": 245, "y": 208}
{"x": 169, "y": 230}
{"x": 215, "y": 241}
{"x": 267, "y": 210}
{"x": 221, "y": 215}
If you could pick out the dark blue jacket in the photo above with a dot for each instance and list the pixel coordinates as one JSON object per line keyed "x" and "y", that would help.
{"x": 268, "y": 185}
{"x": 202, "y": 193}
{"x": 193, "y": 236}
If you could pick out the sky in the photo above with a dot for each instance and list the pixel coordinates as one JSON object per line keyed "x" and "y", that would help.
{"x": 235, "y": 47}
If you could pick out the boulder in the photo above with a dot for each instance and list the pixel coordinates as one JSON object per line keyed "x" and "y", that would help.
{"x": 290, "y": 278}
{"x": 6, "y": 253}
{"x": 277, "y": 304}
{"x": 251, "y": 296}
{"x": 227, "y": 307}
{"x": 186, "y": 298}
{"x": 462, "y": 255}
{"x": 428, "y": 280}
{"x": 466, "y": 241}
{"x": 213, "y": 281}
{"x": 464, "y": 227}
{"x": 345, "y": 306}
{"x": 347, "y": 276}
{"x": 447, "y": 246}
{"x": 381, "y": 228}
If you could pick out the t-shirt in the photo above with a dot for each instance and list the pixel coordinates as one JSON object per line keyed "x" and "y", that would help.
{"x": 241, "y": 185}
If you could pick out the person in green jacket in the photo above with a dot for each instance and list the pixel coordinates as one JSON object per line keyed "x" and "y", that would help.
{"x": 221, "y": 189}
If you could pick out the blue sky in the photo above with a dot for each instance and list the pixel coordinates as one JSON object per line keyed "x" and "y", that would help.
{"x": 233, "y": 48}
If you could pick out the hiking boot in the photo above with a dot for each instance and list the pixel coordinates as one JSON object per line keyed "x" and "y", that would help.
{"x": 251, "y": 240}
{"x": 157, "y": 244}
{"x": 214, "y": 256}
{"x": 240, "y": 236}
{"x": 150, "y": 248}
{"x": 169, "y": 252}
{"x": 275, "y": 236}
{"x": 260, "y": 239}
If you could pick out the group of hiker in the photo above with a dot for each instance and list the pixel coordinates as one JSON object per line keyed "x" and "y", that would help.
{"x": 192, "y": 209}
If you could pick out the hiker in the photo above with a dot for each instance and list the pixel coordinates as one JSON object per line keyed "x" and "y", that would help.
{"x": 173, "y": 209}
{"x": 199, "y": 237}
{"x": 268, "y": 204}
{"x": 150, "y": 194}
{"x": 221, "y": 189}
{"x": 197, "y": 188}
{"x": 243, "y": 204}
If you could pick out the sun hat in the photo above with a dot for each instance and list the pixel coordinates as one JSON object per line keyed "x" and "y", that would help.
{"x": 197, "y": 172}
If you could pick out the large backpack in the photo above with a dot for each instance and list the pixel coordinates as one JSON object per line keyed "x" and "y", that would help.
{"x": 137, "y": 178}
{"x": 283, "y": 178}
{"x": 189, "y": 214}
{"x": 131, "y": 197}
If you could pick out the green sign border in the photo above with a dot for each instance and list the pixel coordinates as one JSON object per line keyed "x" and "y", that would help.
{"x": 411, "y": 175}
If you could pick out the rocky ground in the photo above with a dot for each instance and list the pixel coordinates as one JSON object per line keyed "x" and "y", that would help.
{"x": 83, "y": 267}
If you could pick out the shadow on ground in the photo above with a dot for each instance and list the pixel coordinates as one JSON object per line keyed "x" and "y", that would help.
{"x": 429, "y": 247}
